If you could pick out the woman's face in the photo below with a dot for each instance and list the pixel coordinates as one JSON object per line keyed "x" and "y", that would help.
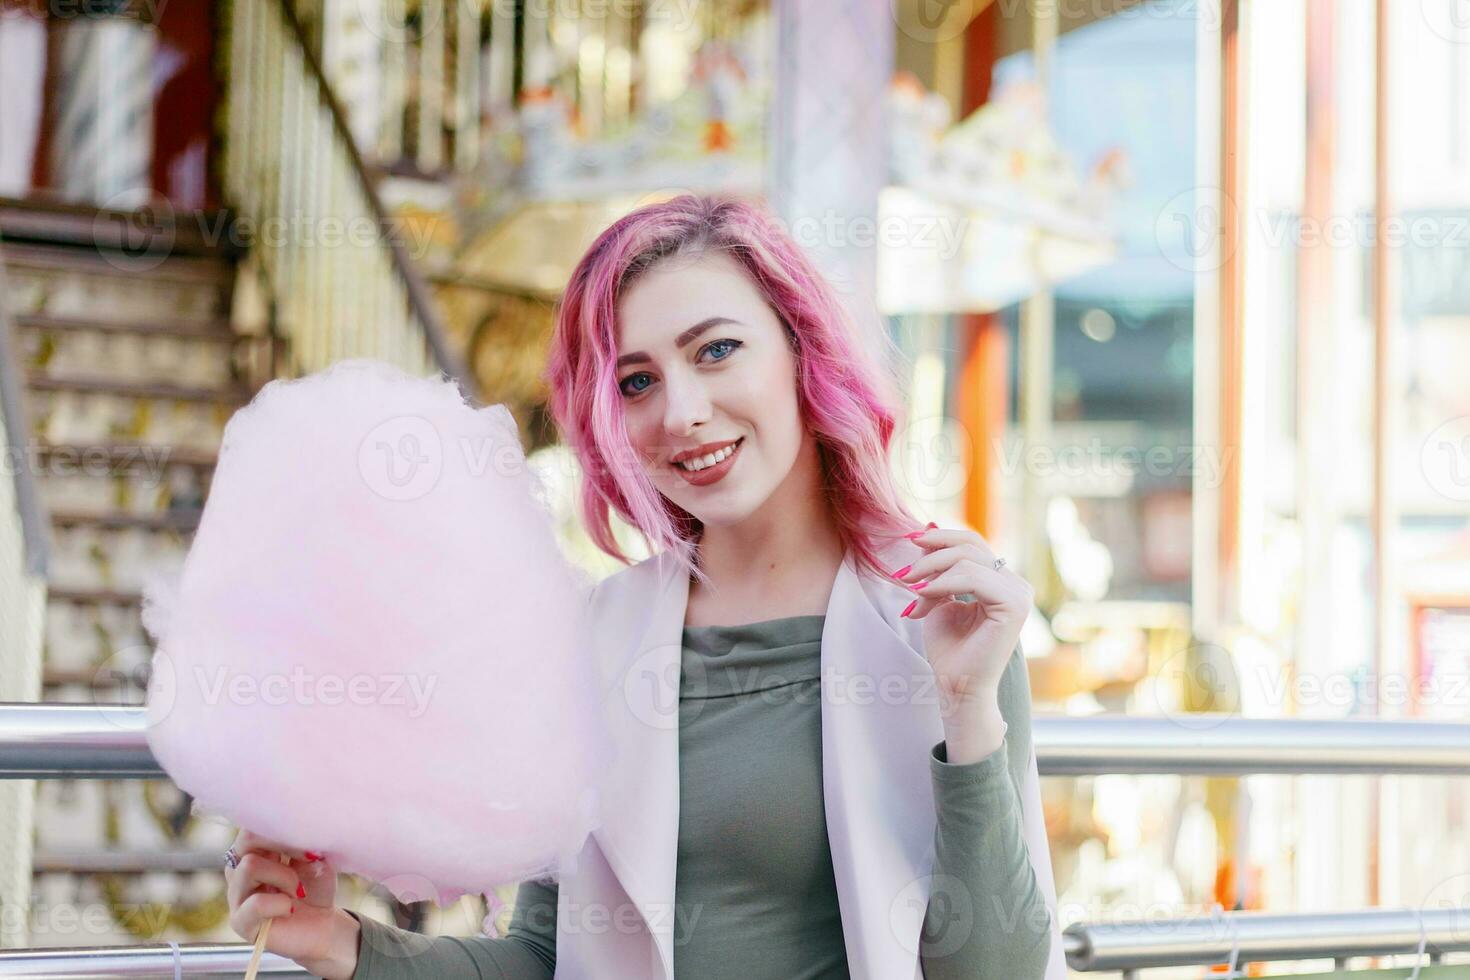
{"x": 703, "y": 362}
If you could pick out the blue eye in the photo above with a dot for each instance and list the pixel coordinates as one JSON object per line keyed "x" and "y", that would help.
{"x": 733, "y": 344}
{"x": 630, "y": 377}
{"x": 727, "y": 343}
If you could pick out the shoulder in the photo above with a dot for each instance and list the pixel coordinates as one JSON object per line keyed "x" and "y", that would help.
{"x": 626, "y": 582}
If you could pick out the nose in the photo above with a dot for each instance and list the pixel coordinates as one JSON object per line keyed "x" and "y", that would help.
{"x": 687, "y": 405}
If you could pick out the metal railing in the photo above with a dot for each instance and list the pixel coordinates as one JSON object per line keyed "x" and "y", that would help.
{"x": 32, "y": 516}
{"x": 45, "y": 741}
{"x": 1127, "y": 947}
{"x": 1227, "y": 745}
{"x": 24, "y": 562}
{"x": 108, "y": 741}
{"x": 1254, "y": 937}
{"x": 343, "y": 284}
{"x": 144, "y": 960}
{"x": 425, "y": 112}
{"x": 1248, "y": 937}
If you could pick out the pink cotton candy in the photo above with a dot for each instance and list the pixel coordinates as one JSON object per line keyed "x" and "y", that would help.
{"x": 376, "y": 648}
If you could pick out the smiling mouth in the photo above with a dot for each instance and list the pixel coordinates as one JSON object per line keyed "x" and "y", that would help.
{"x": 701, "y": 463}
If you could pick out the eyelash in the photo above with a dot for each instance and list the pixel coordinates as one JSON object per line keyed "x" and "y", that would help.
{"x": 734, "y": 345}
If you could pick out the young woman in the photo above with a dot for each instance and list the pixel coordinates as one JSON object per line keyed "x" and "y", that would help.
{"x": 821, "y": 708}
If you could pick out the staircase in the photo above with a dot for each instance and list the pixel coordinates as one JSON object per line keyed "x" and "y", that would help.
{"x": 131, "y": 368}
{"x": 131, "y": 364}
{"x": 128, "y": 351}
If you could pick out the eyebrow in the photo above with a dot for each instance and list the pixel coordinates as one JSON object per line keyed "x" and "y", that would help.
{"x": 683, "y": 340}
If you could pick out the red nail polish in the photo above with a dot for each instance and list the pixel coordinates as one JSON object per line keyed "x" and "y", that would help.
{"x": 901, "y": 572}
{"x": 919, "y": 585}
{"x": 300, "y": 890}
{"x": 909, "y": 608}
{"x": 931, "y": 524}
{"x": 313, "y": 856}
{"x": 293, "y": 909}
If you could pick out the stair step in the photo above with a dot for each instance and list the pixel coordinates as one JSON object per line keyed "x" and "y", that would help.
{"x": 95, "y": 678}
{"x": 62, "y": 259}
{"x": 127, "y": 389}
{"x": 38, "y": 218}
{"x": 122, "y": 520}
{"x": 129, "y": 456}
{"x": 218, "y": 331}
{"x": 94, "y": 597}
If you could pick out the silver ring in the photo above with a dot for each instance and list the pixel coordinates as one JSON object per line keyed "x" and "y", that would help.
{"x": 232, "y": 860}
{"x": 999, "y": 562}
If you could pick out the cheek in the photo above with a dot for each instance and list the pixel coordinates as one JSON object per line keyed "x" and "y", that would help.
{"x": 642, "y": 433}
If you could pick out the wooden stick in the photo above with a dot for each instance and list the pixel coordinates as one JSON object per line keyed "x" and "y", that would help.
{"x": 260, "y": 938}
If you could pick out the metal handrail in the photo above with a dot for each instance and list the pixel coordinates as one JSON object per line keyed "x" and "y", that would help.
{"x": 418, "y": 292}
{"x": 146, "y": 960}
{"x": 1225, "y": 745}
{"x": 109, "y": 741}
{"x": 1200, "y": 940}
{"x": 33, "y": 522}
{"x": 75, "y": 741}
{"x": 79, "y": 741}
{"x": 1261, "y": 937}
{"x": 291, "y": 158}
{"x": 79, "y": 861}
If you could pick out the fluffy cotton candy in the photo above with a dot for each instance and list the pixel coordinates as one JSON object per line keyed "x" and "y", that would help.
{"x": 375, "y": 648}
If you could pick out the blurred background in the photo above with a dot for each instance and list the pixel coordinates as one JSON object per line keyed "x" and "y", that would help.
{"x": 1183, "y": 289}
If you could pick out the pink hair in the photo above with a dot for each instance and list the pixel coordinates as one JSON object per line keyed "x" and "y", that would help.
{"x": 847, "y": 400}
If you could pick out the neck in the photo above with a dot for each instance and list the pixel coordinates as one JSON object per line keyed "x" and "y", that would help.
{"x": 790, "y": 545}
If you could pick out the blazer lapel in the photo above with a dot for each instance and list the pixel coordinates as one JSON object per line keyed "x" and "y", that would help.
{"x": 640, "y": 827}
{"x": 879, "y": 720}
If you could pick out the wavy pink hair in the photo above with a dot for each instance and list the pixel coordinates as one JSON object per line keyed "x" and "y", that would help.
{"x": 847, "y": 400}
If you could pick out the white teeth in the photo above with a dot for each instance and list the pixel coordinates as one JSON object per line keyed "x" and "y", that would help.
{"x": 704, "y": 462}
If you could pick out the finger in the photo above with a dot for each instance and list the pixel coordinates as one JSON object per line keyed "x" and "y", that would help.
{"x": 314, "y": 876}
{"x": 940, "y": 537}
{"x": 258, "y": 870}
{"x": 998, "y": 594}
{"x": 248, "y": 841}
{"x": 963, "y": 540}
{"x": 259, "y": 907}
{"x": 936, "y": 562}
{"x": 934, "y": 592}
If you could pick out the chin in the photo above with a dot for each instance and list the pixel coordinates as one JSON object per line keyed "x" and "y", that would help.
{"x": 719, "y": 516}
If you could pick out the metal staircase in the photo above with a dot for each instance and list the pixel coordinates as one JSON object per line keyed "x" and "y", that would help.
{"x": 129, "y": 363}
{"x": 131, "y": 366}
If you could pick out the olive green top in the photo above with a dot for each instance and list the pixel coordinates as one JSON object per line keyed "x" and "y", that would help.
{"x": 755, "y": 894}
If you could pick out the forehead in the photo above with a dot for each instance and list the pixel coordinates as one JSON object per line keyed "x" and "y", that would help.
{"x": 681, "y": 291}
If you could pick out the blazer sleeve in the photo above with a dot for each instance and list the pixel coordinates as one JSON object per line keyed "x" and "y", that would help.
{"x": 526, "y": 952}
{"x": 992, "y": 905}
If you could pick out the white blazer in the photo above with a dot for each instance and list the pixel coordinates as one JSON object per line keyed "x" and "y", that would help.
{"x": 615, "y": 912}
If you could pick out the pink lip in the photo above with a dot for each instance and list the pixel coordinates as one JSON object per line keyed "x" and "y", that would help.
{"x": 712, "y": 474}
